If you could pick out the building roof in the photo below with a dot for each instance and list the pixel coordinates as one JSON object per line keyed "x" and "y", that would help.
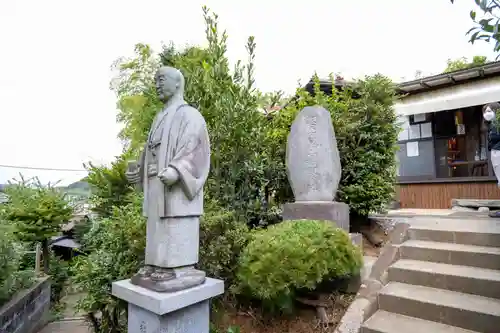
{"x": 64, "y": 241}
{"x": 439, "y": 81}
{"x": 428, "y": 83}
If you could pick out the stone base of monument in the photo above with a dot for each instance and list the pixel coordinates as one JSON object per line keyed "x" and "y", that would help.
{"x": 356, "y": 239}
{"x": 185, "y": 311}
{"x": 337, "y": 212}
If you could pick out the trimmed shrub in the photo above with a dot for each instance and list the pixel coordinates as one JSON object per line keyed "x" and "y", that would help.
{"x": 292, "y": 256}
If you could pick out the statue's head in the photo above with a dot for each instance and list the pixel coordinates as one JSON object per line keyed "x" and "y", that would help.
{"x": 169, "y": 82}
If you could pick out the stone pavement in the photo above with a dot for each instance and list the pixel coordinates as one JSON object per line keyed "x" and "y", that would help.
{"x": 73, "y": 322}
{"x": 67, "y": 326}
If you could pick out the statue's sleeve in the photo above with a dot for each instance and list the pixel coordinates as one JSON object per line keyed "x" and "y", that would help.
{"x": 192, "y": 154}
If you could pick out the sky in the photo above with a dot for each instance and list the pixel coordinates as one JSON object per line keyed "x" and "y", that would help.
{"x": 56, "y": 109}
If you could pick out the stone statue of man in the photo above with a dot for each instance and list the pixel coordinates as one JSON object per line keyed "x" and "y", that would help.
{"x": 172, "y": 171}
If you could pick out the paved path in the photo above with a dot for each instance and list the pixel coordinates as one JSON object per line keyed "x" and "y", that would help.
{"x": 73, "y": 322}
{"x": 70, "y": 326}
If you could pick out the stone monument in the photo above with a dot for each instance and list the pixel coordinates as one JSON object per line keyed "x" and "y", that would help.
{"x": 168, "y": 294}
{"x": 314, "y": 170}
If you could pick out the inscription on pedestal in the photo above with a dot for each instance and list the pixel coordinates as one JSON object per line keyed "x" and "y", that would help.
{"x": 142, "y": 327}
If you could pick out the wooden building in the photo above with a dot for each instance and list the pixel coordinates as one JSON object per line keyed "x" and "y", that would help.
{"x": 443, "y": 145}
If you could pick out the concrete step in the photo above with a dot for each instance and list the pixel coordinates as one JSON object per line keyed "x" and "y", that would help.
{"x": 476, "y": 313}
{"x": 470, "y": 232}
{"x": 451, "y": 253}
{"x": 469, "y": 280}
{"x": 388, "y": 322}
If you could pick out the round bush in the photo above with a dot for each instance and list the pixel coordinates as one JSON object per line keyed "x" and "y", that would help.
{"x": 295, "y": 255}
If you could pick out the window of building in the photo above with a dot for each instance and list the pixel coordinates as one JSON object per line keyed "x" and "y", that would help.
{"x": 445, "y": 144}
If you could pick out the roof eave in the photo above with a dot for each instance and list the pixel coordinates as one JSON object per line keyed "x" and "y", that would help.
{"x": 448, "y": 79}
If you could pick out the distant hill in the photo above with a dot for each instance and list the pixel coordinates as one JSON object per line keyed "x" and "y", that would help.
{"x": 79, "y": 185}
{"x": 76, "y": 189}
{"x": 79, "y": 188}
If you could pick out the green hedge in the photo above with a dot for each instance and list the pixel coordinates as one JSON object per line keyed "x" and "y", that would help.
{"x": 295, "y": 255}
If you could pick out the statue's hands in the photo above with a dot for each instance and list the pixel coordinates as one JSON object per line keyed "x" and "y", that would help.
{"x": 133, "y": 173}
{"x": 169, "y": 176}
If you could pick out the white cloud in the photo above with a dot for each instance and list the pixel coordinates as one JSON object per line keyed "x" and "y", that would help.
{"x": 57, "y": 111}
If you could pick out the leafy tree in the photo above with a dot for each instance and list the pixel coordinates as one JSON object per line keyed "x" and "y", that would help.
{"x": 110, "y": 188}
{"x": 486, "y": 25}
{"x": 464, "y": 63}
{"x": 138, "y": 101}
{"x": 38, "y": 213}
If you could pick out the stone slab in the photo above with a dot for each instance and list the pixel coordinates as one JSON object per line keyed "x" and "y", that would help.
{"x": 337, "y": 212}
{"x": 194, "y": 318}
{"x": 65, "y": 326}
{"x": 312, "y": 156}
{"x": 475, "y": 203}
{"x": 163, "y": 303}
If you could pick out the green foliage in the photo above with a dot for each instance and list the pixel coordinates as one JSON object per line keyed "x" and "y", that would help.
{"x": 222, "y": 238}
{"x": 295, "y": 255}
{"x": 117, "y": 246}
{"x": 486, "y": 26}
{"x": 464, "y": 63}
{"x": 366, "y": 130}
{"x": 37, "y": 211}
{"x": 59, "y": 276}
{"x": 12, "y": 277}
{"x": 109, "y": 185}
{"x": 138, "y": 101}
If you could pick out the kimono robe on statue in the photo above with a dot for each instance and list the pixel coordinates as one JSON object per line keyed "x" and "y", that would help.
{"x": 178, "y": 139}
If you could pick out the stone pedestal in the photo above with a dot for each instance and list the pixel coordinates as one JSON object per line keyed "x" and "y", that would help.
{"x": 337, "y": 212}
{"x": 185, "y": 311}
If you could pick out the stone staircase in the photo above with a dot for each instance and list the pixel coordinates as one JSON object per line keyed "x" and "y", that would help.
{"x": 442, "y": 276}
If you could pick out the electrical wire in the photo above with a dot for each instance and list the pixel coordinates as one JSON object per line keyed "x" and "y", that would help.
{"x": 37, "y": 168}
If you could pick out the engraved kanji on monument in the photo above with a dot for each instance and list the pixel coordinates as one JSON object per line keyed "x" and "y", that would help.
{"x": 314, "y": 170}
{"x": 312, "y": 156}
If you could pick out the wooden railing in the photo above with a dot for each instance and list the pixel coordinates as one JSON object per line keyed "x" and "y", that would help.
{"x": 38, "y": 257}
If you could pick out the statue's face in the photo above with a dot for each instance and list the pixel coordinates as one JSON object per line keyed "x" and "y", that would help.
{"x": 166, "y": 85}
